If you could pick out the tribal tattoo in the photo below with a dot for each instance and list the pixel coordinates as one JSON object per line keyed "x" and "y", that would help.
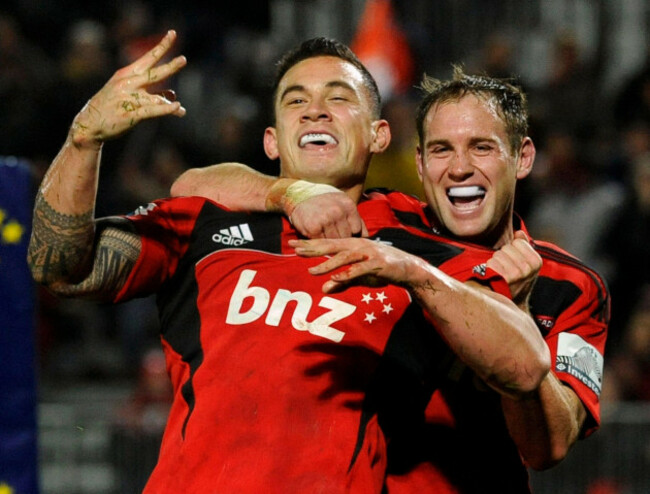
{"x": 64, "y": 256}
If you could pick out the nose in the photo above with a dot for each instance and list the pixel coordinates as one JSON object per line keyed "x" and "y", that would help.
{"x": 460, "y": 166}
{"x": 316, "y": 110}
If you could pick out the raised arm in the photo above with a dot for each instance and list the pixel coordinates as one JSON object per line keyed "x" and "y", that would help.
{"x": 316, "y": 210}
{"x": 486, "y": 330}
{"x": 69, "y": 251}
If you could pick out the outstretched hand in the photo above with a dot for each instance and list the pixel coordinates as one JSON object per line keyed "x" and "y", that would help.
{"x": 519, "y": 264}
{"x": 124, "y": 100}
{"x": 366, "y": 262}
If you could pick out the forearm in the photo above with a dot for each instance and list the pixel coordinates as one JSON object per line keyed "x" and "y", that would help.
{"x": 63, "y": 226}
{"x": 234, "y": 185}
{"x": 485, "y": 330}
{"x": 546, "y": 423}
{"x": 315, "y": 210}
{"x": 493, "y": 337}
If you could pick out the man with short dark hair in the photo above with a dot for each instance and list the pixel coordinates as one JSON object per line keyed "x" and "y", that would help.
{"x": 278, "y": 387}
{"x": 478, "y": 436}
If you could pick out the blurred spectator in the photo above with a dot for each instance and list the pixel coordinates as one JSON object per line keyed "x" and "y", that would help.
{"x": 572, "y": 204}
{"x": 632, "y": 103}
{"x": 150, "y": 161}
{"x": 628, "y": 368}
{"x": 567, "y": 98}
{"x": 26, "y": 84}
{"x": 85, "y": 63}
{"x": 625, "y": 247}
{"x": 496, "y": 57}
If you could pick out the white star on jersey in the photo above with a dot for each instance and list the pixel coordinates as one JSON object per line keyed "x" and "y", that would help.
{"x": 378, "y": 303}
{"x": 370, "y": 317}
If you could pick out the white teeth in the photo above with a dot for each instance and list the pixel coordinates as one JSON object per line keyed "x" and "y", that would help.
{"x": 316, "y": 138}
{"x": 469, "y": 191}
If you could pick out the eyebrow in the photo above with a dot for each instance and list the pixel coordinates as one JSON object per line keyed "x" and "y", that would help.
{"x": 330, "y": 84}
{"x": 447, "y": 142}
{"x": 435, "y": 142}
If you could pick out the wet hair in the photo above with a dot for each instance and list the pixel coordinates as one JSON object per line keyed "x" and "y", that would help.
{"x": 510, "y": 100}
{"x": 326, "y": 47}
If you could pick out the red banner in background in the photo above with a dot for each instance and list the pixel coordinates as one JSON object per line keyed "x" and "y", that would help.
{"x": 18, "y": 430}
{"x": 383, "y": 48}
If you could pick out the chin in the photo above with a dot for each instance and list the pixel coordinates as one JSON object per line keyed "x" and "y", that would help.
{"x": 467, "y": 232}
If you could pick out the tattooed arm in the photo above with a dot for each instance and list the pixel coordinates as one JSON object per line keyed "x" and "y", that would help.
{"x": 70, "y": 252}
{"x": 64, "y": 255}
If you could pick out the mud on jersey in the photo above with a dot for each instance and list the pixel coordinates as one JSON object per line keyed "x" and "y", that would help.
{"x": 278, "y": 386}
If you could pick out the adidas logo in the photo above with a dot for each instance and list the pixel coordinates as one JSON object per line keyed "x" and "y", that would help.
{"x": 235, "y": 235}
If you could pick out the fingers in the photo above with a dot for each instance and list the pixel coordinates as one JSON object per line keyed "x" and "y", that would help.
{"x": 144, "y": 72}
{"x": 344, "y": 227}
{"x": 516, "y": 261}
{"x": 153, "y": 56}
{"x": 140, "y": 106}
{"x": 357, "y": 226}
{"x": 168, "y": 94}
{"x": 520, "y": 234}
{"x": 154, "y": 75}
{"x": 364, "y": 230}
{"x": 342, "y": 251}
{"x": 327, "y": 215}
{"x": 321, "y": 247}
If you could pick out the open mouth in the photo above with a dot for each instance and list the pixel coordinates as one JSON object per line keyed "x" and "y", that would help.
{"x": 317, "y": 139}
{"x": 466, "y": 197}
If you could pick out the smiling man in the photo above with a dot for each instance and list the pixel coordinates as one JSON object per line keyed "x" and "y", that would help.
{"x": 477, "y": 436}
{"x": 458, "y": 139}
{"x": 278, "y": 387}
{"x": 473, "y": 148}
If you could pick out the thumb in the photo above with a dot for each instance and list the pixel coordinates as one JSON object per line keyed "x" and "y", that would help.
{"x": 521, "y": 235}
{"x": 364, "y": 230}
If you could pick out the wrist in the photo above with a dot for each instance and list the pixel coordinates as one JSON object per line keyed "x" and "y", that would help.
{"x": 80, "y": 134}
{"x": 425, "y": 280}
{"x": 287, "y": 193}
{"x": 275, "y": 199}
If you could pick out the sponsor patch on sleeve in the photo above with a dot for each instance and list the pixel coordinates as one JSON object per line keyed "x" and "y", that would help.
{"x": 581, "y": 360}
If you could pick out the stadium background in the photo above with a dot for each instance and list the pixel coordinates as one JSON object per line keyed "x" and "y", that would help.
{"x": 83, "y": 387}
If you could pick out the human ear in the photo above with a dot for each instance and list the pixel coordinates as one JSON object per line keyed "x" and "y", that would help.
{"x": 526, "y": 158}
{"x": 380, "y": 136}
{"x": 271, "y": 143}
{"x": 418, "y": 162}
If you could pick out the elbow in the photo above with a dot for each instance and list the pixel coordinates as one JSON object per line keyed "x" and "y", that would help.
{"x": 185, "y": 184}
{"x": 522, "y": 379}
{"x": 545, "y": 459}
{"x": 537, "y": 370}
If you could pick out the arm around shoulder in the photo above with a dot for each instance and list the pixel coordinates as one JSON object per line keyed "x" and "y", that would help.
{"x": 235, "y": 185}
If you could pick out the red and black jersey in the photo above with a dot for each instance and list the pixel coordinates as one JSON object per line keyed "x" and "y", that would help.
{"x": 279, "y": 387}
{"x": 463, "y": 446}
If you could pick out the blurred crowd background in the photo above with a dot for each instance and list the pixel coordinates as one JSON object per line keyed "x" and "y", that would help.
{"x": 585, "y": 65}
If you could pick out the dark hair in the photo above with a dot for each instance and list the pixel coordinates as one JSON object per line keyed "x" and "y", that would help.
{"x": 325, "y": 47}
{"x": 510, "y": 101}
